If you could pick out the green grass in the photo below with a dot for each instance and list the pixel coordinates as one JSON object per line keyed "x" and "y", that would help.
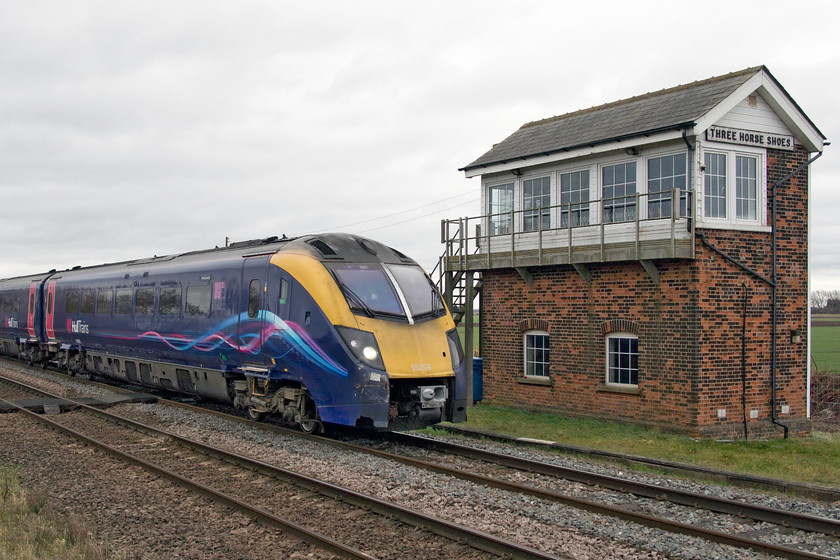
{"x": 825, "y": 347}
{"x": 30, "y": 530}
{"x": 811, "y": 460}
{"x": 461, "y": 329}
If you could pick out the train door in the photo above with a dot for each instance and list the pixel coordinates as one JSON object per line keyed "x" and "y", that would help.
{"x": 252, "y": 311}
{"x": 50, "y": 311}
{"x": 30, "y": 314}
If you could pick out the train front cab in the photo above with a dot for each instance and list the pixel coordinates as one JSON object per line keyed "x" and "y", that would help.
{"x": 371, "y": 364}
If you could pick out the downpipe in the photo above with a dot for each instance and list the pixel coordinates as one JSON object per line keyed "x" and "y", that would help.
{"x": 773, "y": 350}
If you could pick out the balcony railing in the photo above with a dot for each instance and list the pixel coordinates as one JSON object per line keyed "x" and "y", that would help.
{"x": 639, "y": 226}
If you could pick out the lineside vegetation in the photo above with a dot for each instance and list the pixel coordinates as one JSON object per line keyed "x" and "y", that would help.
{"x": 31, "y": 530}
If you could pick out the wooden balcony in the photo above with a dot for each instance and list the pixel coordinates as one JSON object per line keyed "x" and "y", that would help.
{"x": 641, "y": 227}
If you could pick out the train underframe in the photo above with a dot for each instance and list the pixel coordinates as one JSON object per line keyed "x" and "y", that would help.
{"x": 412, "y": 403}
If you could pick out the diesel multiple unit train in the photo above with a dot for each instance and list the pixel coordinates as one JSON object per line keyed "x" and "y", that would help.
{"x": 321, "y": 329}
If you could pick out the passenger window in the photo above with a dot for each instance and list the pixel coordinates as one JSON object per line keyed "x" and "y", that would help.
{"x": 71, "y": 304}
{"x": 198, "y": 301}
{"x": 145, "y": 302}
{"x": 16, "y": 304}
{"x": 123, "y": 306}
{"x": 254, "y": 299}
{"x": 88, "y": 298}
{"x": 104, "y": 299}
{"x": 170, "y": 301}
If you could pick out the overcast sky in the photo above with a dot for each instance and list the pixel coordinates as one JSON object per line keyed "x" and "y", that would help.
{"x": 129, "y": 129}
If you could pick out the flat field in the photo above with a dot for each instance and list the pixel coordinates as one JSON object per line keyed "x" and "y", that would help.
{"x": 825, "y": 342}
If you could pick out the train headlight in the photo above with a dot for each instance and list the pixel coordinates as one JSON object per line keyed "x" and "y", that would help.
{"x": 363, "y": 346}
{"x": 455, "y": 351}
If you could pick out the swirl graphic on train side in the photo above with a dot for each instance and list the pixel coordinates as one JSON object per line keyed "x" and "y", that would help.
{"x": 265, "y": 334}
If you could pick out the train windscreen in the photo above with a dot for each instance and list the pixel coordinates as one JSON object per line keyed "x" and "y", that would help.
{"x": 368, "y": 289}
{"x": 372, "y": 290}
{"x": 419, "y": 292}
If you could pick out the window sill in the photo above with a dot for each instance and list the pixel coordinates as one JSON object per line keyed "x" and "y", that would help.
{"x": 711, "y": 223}
{"x": 629, "y": 390}
{"x": 535, "y": 380}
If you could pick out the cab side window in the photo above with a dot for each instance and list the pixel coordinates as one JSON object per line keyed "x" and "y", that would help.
{"x": 254, "y": 298}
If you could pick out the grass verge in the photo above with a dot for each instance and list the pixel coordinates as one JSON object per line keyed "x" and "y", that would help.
{"x": 811, "y": 460}
{"x": 30, "y": 530}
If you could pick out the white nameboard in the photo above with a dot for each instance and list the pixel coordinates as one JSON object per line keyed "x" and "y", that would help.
{"x": 750, "y": 138}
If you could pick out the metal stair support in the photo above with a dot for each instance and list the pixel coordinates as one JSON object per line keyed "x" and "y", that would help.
{"x": 460, "y": 288}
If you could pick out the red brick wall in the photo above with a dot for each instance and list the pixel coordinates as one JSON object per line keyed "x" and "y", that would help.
{"x": 689, "y": 328}
{"x": 665, "y": 318}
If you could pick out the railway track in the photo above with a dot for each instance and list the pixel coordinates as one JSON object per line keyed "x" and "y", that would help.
{"x": 749, "y": 514}
{"x": 225, "y": 477}
{"x": 740, "y": 510}
{"x": 737, "y": 509}
{"x": 743, "y": 480}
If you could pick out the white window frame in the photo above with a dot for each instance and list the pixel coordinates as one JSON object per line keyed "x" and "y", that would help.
{"x": 607, "y": 354}
{"x": 600, "y": 182}
{"x": 647, "y": 199}
{"x": 732, "y": 221}
{"x": 526, "y": 361}
{"x": 577, "y": 207}
{"x": 727, "y": 194}
{"x": 490, "y": 187}
{"x": 540, "y": 212}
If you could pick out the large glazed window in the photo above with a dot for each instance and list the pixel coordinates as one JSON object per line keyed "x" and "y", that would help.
{"x": 368, "y": 289}
{"x": 746, "y": 187}
{"x": 536, "y": 200}
{"x": 664, "y": 175}
{"x": 419, "y": 292}
{"x": 574, "y": 188}
{"x": 619, "y": 191}
{"x": 501, "y": 205}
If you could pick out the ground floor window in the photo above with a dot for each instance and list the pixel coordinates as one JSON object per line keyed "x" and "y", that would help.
{"x": 536, "y": 354}
{"x": 622, "y": 359}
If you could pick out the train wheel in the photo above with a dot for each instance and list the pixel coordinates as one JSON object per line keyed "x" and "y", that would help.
{"x": 255, "y": 415}
{"x": 311, "y": 427}
{"x": 310, "y": 423}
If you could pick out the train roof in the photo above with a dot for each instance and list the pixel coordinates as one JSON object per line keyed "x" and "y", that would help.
{"x": 327, "y": 247}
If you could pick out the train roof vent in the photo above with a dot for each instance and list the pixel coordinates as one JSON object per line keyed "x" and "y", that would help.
{"x": 322, "y": 247}
{"x": 367, "y": 245}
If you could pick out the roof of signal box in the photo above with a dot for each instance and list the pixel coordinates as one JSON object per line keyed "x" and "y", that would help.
{"x": 674, "y": 108}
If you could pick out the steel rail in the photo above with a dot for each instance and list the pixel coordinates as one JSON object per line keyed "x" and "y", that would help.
{"x": 459, "y": 533}
{"x": 644, "y": 519}
{"x": 756, "y": 512}
{"x": 651, "y": 521}
{"x": 313, "y": 537}
{"x": 823, "y": 493}
{"x": 594, "y": 507}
